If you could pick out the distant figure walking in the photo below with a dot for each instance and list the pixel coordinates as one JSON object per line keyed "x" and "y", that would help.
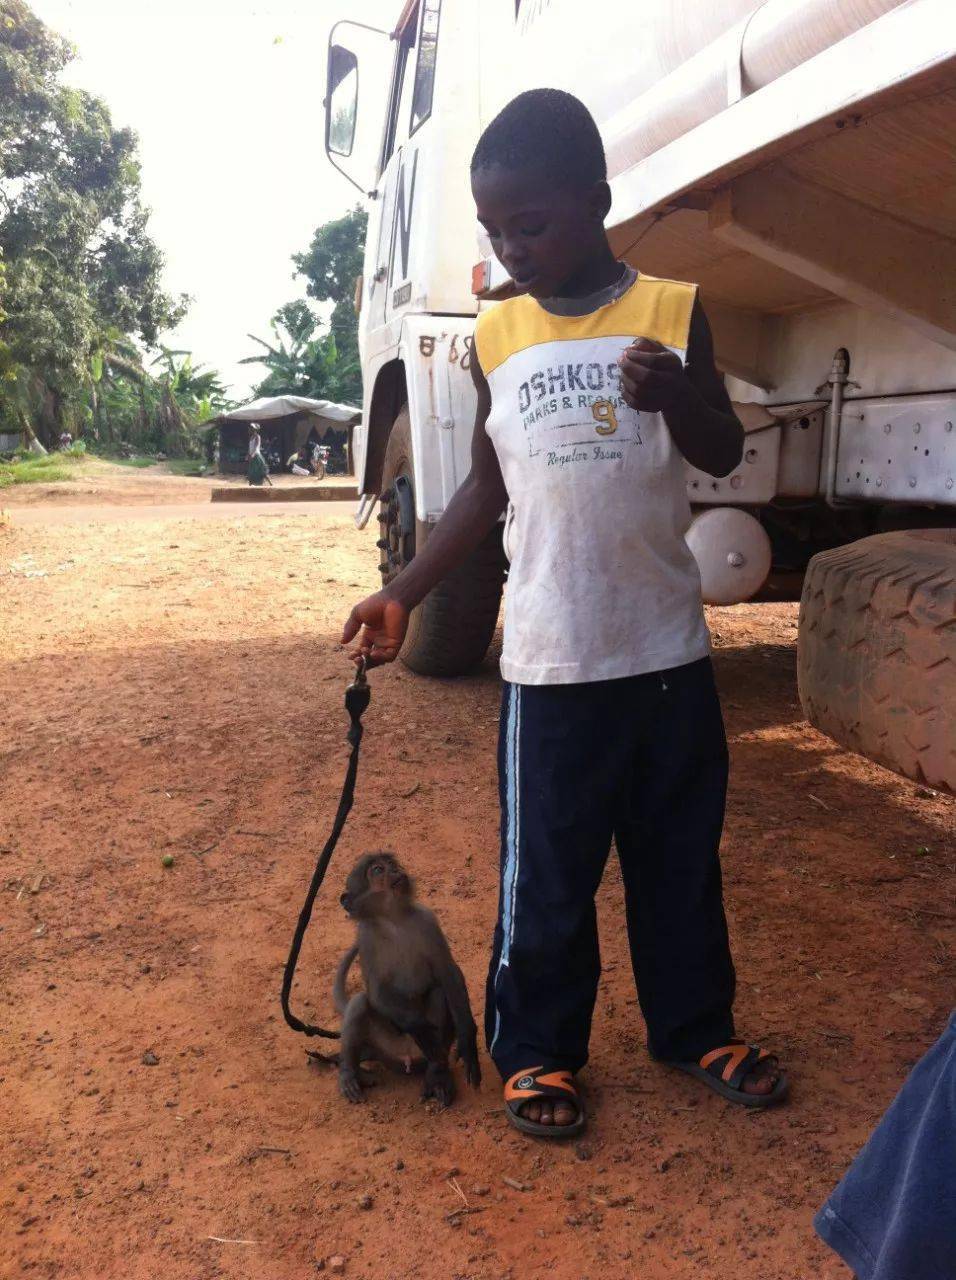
{"x": 258, "y": 471}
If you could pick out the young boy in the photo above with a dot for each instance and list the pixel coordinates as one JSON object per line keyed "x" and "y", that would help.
{"x": 593, "y": 384}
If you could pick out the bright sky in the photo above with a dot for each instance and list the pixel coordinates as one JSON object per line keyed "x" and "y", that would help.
{"x": 226, "y": 96}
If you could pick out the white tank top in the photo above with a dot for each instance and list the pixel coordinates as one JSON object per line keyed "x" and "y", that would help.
{"x": 602, "y": 583}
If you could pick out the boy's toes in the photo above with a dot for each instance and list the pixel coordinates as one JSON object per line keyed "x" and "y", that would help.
{"x": 763, "y": 1078}
{"x": 532, "y": 1112}
{"x": 564, "y": 1113}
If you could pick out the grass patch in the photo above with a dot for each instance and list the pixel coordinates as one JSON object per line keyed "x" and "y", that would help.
{"x": 36, "y": 468}
{"x": 188, "y": 466}
{"x": 128, "y": 462}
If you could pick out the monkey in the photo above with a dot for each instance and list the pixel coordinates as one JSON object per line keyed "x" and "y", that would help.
{"x": 415, "y": 1003}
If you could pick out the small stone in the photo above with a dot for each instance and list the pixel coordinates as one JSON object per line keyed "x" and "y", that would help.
{"x": 21, "y": 1186}
{"x": 570, "y": 1194}
{"x": 168, "y": 860}
{"x": 583, "y": 1151}
{"x": 149, "y": 1059}
{"x": 480, "y": 1190}
{"x": 365, "y": 1202}
{"x": 337, "y": 1264}
{"x": 399, "y": 1165}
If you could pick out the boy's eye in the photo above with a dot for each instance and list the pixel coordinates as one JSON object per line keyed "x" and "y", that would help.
{"x": 533, "y": 229}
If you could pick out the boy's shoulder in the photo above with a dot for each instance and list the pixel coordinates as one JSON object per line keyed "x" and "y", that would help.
{"x": 650, "y": 281}
{"x": 501, "y": 327}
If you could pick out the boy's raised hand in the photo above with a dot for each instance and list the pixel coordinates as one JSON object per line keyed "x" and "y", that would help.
{"x": 382, "y": 621}
{"x": 652, "y": 378}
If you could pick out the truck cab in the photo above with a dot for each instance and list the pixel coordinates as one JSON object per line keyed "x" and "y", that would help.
{"x": 795, "y": 160}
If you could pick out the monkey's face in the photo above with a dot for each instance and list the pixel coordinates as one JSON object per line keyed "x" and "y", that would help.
{"x": 378, "y": 885}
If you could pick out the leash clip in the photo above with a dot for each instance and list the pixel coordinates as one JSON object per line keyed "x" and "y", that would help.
{"x": 357, "y": 697}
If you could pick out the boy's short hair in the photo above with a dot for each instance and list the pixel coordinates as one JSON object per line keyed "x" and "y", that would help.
{"x": 549, "y": 131}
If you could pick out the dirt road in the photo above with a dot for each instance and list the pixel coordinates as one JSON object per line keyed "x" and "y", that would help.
{"x": 173, "y": 687}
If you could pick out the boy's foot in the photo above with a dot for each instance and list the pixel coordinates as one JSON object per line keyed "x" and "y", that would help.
{"x": 544, "y": 1104}
{"x": 740, "y": 1072}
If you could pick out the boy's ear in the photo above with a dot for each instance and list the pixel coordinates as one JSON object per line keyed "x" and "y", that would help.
{"x": 599, "y": 201}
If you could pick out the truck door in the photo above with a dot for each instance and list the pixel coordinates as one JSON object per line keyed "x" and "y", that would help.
{"x": 409, "y": 108}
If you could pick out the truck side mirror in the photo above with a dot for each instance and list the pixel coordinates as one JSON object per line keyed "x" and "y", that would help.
{"x": 341, "y": 108}
{"x": 357, "y": 60}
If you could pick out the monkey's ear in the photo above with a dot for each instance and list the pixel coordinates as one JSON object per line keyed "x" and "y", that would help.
{"x": 346, "y": 901}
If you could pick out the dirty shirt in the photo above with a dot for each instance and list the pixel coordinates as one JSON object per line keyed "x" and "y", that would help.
{"x": 602, "y": 583}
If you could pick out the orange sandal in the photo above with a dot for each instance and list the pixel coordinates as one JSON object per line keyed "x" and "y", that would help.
{"x": 534, "y": 1082}
{"x": 725, "y": 1069}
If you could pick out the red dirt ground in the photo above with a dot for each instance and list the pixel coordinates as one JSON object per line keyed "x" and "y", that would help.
{"x": 174, "y": 686}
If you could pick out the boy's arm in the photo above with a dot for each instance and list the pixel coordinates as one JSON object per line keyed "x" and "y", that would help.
{"x": 382, "y": 618}
{"x": 692, "y": 398}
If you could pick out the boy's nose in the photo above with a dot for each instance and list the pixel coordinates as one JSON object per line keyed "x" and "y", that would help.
{"x": 513, "y": 258}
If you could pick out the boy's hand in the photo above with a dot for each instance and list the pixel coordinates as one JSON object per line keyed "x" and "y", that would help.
{"x": 382, "y": 621}
{"x": 652, "y": 378}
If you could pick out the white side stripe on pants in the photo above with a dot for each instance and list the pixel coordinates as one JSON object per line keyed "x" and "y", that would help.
{"x": 512, "y": 791}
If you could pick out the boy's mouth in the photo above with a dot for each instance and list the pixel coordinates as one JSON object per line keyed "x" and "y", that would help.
{"x": 525, "y": 279}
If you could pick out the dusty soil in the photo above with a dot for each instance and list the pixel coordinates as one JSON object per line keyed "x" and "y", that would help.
{"x": 174, "y": 687}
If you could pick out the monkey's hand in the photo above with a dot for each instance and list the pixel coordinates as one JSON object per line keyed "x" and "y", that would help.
{"x": 466, "y": 1050}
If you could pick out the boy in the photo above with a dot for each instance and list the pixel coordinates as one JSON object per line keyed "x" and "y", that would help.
{"x": 591, "y": 386}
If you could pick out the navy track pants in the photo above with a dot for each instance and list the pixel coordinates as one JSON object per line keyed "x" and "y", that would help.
{"x": 642, "y": 760}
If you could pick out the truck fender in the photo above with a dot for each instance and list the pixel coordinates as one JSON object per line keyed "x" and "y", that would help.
{"x": 432, "y": 372}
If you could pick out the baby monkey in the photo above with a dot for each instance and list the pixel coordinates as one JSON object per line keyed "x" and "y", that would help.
{"x": 415, "y": 1002}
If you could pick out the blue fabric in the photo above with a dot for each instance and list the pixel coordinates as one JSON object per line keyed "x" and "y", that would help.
{"x": 893, "y": 1217}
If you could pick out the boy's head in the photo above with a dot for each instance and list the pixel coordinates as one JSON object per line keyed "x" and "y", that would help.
{"x": 539, "y": 178}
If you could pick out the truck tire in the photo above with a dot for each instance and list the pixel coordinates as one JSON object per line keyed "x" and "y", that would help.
{"x": 876, "y": 655}
{"x": 449, "y": 632}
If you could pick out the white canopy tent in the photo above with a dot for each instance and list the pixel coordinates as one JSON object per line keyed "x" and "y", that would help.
{"x": 267, "y": 407}
{"x": 294, "y": 418}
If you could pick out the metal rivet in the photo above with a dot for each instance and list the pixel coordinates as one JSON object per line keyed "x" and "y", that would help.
{"x": 949, "y": 483}
{"x": 887, "y": 428}
{"x": 736, "y": 482}
{"x": 751, "y": 455}
{"x": 917, "y": 428}
{"x": 948, "y": 427}
{"x": 879, "y": 484}
{"x": 912, "y": 483}
{"x": 736, "y": 559}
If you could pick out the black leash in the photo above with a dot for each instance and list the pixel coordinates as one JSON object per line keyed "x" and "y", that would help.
{"x": 357, "y": 697}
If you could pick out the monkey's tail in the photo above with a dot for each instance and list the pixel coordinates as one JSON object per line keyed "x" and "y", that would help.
{"x": 339, "y": 993}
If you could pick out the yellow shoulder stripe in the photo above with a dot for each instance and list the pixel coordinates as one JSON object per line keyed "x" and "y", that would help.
{"x": 651, "y": 308}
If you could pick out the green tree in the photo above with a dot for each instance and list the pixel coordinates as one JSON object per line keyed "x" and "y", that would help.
{"x": 302, "y": 360}
{"x": 330, "y": 267}
{"x": 80, "y": 264}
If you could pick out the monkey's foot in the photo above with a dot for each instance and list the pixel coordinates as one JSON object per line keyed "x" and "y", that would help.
{"x": 350, "y": 1086}
{"x": 439, "y": 1084}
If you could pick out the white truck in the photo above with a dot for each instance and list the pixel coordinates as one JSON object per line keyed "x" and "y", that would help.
{"x": 797, "y": 159}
